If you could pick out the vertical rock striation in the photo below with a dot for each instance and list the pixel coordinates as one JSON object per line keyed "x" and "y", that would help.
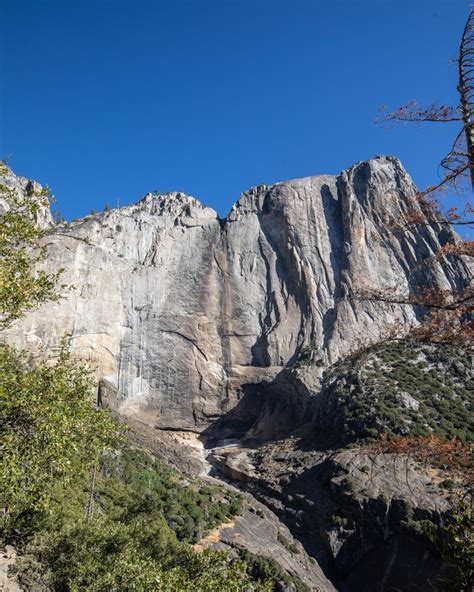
{"x": 179, "y": 311}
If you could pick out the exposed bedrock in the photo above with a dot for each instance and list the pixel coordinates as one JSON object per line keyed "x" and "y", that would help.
{"x": 182, "y": 313}
{"x": 231, "y": 327}
{"x": 354, "y": 512}
{"x": 362, "y": 511}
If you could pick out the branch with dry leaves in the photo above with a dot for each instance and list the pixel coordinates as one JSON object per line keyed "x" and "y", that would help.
{"x": 459, "y": 162}
{"x": 454, "y": 456}
{"x": 449, "y": 313}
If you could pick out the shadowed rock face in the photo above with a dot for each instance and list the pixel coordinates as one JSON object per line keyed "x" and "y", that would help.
{"x": 179, "y": 310}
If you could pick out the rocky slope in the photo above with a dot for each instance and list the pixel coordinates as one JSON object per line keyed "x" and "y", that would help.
{"x": 249, "y": 331}
{"x": 182, "y": 314}
{"x": 355, "y": 512}
{"x": 361, "y": 510}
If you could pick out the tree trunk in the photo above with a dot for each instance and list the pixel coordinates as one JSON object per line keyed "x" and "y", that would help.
{"x": 466, "y": 88}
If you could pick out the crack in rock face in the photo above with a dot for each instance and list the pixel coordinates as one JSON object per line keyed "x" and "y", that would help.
{"x": 181, "y": 313}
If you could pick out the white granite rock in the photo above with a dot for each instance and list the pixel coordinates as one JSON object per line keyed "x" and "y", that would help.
{"x": 177, "y": 309}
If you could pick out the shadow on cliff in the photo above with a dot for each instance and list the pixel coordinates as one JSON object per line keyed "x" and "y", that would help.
{"x": 269, "y": 410}
{"x": 277, "y": 409}
{"x": 360, "y": 547}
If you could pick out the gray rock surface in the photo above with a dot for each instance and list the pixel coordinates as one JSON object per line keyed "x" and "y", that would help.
{"x": 354, "y": 511}
{"x": 179, "y": 311}
{"x": 8, "y": 581}
{"x": 259, "y": 531}
{"x": 23, "y": 186}
{"x": 256, "y": 529}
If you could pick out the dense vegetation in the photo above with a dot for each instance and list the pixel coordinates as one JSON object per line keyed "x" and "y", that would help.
{"x": 129, "y": 528}
{"x": 85, "y": 510}
{"x": 51, "y": 433}
{"x": 267, "y": 569}
{"x": 401, "y": 387}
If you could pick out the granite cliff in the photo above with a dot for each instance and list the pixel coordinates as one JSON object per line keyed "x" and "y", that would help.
{"x": 246, "y": 341}
{"x": 183, "y": 314}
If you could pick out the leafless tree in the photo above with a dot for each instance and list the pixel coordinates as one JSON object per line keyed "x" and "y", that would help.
{"x": 449, "y": 314}
{"x": 458, "y": 164}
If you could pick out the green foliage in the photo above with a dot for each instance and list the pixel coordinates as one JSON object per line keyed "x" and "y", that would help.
{"x": 455, "y": 541}
{"x": 137, "y": 482}
{"x": 421, "y": 528}
{"x": 130, "y": 540}
{"x": 142, "y": 556}
{"x": 350, "y": 484}
{"x": 339, "y": 521}
{"x": 448, "y": 484}
{"x": 21, "y": 287}
{"x": 291, "y": 547}
{"x": 51, "y": 432}
{"x": 402, "y": 388}
{"x": 141, "y": 515}
{"x": 270, "y": 571}
{"x": 309, "y": 356}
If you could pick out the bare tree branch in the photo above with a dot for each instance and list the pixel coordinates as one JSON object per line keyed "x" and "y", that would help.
{"x": 466, "y": 88}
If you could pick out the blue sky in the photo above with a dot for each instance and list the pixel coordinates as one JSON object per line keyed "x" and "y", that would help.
{"x": 105, "y": 101}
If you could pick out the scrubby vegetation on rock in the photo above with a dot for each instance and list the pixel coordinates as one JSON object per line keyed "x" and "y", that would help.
{"x": 51, "y": 433}
{"x": 268, "y": 569}
{"x": 400, "y": 387}
{"x": 130, "y": 529}
{"x": 86, "y": 510}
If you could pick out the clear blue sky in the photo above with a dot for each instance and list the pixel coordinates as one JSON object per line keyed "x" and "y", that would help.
{"x": 108, "y": 100}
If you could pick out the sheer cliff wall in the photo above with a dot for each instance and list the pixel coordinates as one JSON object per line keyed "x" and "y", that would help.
{"x": 177, "y": 309}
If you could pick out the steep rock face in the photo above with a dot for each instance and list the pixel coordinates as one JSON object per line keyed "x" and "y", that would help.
{"x": 355, "y": 512}
{"x": 23, "y": 186}
{"x": 180, "y": 311}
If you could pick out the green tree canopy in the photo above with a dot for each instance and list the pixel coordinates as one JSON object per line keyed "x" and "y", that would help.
{"x": 51, "y": 432}
{"x": 22, "y": 285}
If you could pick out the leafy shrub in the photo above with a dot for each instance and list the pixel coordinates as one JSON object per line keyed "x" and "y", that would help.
{"x": 87, "y": 510}
{"x": 51, "y": 432}
{"x": 336, "y": 520}
{"x": 137, "y": 535}
{"x": 190, "y": 510}
{"x": 454, "y": 540}
{"x": 22, "y": 286}
{"x": 291, "y": 547}
{"x": 109, "y": 556}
